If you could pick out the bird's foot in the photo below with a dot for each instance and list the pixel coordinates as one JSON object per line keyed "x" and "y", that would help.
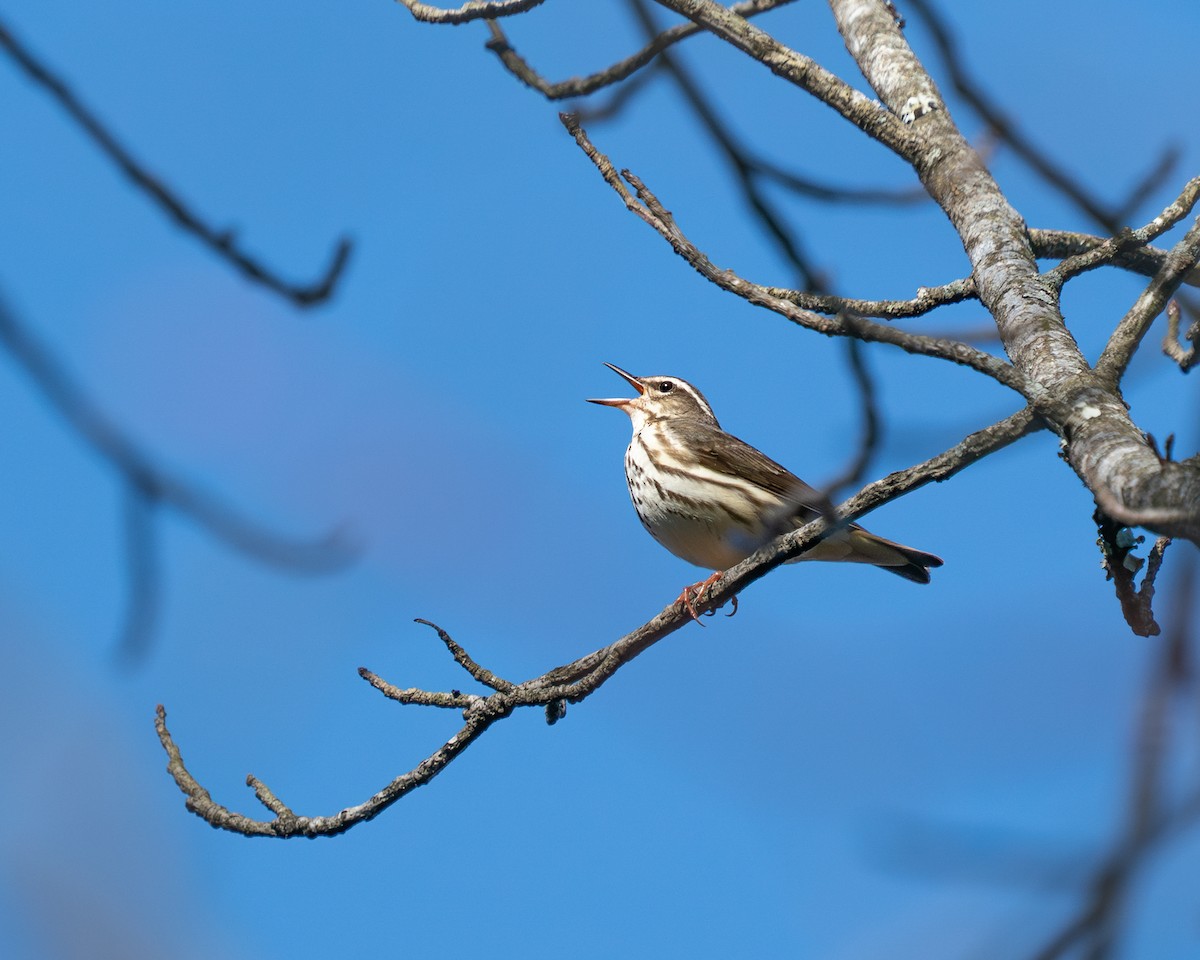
{"x": 693, "y": 594}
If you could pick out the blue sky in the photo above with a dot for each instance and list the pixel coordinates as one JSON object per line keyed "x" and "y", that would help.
{"x": 749, "y": 788}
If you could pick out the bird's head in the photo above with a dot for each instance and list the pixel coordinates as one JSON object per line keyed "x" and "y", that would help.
{"x": 660, "y": 398}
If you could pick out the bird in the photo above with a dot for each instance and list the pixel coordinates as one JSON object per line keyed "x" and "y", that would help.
{"x": 712, "y": 499}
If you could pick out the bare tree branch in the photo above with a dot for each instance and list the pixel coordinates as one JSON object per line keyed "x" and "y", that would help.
{"x": 471, "y": 10}
{"x": 572, "y": 682}
{"x": 646, "y": 206}
{"x": 887, "y": 128}
{"x": 221, "y": 242}
{"x": 519, "y": 67}
{"x": 1127, "y": 241}
{"x": 1173, "y": 347}
{"x": 927, "y": 300}
{"x": 1144, "y": 260}
{"x": 1123, "y": 343}
{"x": 1103, "y": 445}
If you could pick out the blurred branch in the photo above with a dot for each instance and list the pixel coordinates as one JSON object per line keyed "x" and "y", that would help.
{"x": 1111, "y": 218}
{"x": 646, "y": 206}
{"x": 620, "y": 97}
{"x": 148, "y": 485}
{"x": 143, "y": 583}
{"x": 221, "y": 242}
{"x": 575, "y": 681}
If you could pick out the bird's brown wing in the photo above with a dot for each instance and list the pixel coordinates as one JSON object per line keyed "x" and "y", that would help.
{"x": 725, "y": 454}
{"x": 799, "y": 503}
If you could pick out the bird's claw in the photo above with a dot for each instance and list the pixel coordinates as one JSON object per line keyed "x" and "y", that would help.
{"x": 693, "y": 594}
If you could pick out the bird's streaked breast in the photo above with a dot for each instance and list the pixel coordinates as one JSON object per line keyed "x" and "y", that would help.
{"x": 704, "y": 516}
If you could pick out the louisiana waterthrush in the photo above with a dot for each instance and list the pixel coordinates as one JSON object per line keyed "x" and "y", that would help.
{"x": 712, "y": 499}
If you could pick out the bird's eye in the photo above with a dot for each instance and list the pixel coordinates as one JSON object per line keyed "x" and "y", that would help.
{"x": 666, "y": 386}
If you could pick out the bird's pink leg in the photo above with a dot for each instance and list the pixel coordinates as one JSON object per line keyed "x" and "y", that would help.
{"x": 693, "y": 594}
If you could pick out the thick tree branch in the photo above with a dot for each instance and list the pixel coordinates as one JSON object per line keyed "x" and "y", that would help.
{"x": 804, "y": 72}
{"x": 1103, "y": 445}
{"x": 221, "y": 242}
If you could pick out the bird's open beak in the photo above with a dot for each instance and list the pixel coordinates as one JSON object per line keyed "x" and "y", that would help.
{"x": 633, "y": 381}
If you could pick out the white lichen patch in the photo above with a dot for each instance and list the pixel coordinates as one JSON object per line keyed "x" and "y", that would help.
{"x": 917, "y": 107}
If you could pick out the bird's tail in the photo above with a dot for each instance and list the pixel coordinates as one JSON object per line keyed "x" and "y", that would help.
{"x": 856, "y": 545}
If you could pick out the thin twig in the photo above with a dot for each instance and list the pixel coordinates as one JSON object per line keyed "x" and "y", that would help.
{"x": 1143, "y": 260}
{"x": 519, "y": 67}
{"x": 463, "y": 659}
{"x": 926, "y": 301}
{"x": 1127, "y": 240}
{"x": 1173, "y": 347}
{"x": 453, "y": 700}
{"x": 1123, "y": 343}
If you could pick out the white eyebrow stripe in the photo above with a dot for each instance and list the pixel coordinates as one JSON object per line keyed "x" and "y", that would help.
{"x": 696, "y": 395}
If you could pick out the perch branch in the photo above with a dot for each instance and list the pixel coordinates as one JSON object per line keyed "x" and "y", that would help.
{"x": 573, "y": 682}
